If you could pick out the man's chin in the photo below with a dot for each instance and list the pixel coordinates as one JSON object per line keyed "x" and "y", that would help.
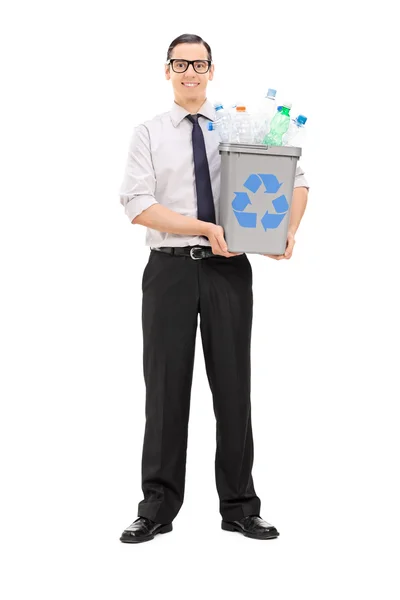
{"x": 189, "y": 95}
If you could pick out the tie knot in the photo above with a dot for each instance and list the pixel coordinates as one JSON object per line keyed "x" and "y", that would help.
{"x": 193, "y": 118}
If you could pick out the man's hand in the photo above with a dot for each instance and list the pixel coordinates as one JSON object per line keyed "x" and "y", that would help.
{"x": 290, "y": 242}
{"x": 215, "y": 234}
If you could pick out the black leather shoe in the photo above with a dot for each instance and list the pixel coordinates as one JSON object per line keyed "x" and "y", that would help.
{"x": 143, "y": 530}
{"x": 253, "y": 527}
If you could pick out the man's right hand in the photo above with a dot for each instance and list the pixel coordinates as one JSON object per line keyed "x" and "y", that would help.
{"x": 215, "y": 234}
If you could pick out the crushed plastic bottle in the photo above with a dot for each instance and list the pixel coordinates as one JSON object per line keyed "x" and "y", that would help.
{"x": 279, "y": 126}
{"x": 222, "y": 122}
{"x": 295, "y": 135}
{"x": 242, "y": 127}
{"x": 262, "y": 116}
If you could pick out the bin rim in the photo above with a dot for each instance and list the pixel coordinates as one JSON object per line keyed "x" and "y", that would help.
{"x": 292, "y": 151}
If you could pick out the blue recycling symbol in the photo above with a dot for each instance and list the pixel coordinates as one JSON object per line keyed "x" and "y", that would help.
{"x": 241, "y": 201}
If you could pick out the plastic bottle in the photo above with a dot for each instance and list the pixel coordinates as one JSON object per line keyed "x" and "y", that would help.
{"x": 232, "y": 114}
{"x": 212, "y": 127}
{"x": 242, "y": 127}
{"x": 222, "y": 122}
{"x": 232, "y": 110}
{"x": 295, "y": 133}
{"x": 279, "y": 126}
{"x": 263, "y": 115}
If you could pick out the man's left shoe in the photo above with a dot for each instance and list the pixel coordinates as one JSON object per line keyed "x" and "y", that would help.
{"x": 252, "y": 527}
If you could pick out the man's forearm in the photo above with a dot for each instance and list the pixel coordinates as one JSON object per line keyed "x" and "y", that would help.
{"x": 161, "y": 218}
{"x": 299, "y": 203}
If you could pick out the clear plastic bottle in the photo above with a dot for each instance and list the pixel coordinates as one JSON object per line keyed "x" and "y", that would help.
{"x": 242, "y": 127}
{"x": 279, "y": 126}
{"x": 263, "y": 115}
{"x": 295, "y": 134}
{"x": 232, "y": 114}
{"x": 222, "y": 122}
{"x": 212, "y": 126}
{"x": 232, "y": 110}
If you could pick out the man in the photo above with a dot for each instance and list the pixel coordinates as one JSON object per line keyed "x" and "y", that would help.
{"x": 171, "y": 186}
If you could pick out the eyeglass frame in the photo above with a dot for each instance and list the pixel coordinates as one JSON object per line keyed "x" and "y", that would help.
{"x": 170, "y": 61}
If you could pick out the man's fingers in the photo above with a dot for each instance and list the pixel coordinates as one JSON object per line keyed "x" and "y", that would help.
{"x": 221, "y": 243}
{"x": 289, "y": 248}
{"x": 224, "y": 248}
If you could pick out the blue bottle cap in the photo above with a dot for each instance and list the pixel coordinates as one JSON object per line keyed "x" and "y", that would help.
{"x": 218, "y": 105}
{"x": 210, "y": 126}
{"x": 301, "y": 119}
{"x": 279, "y": 108}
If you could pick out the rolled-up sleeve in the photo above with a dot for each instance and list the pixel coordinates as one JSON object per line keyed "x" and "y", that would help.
{"x": 300, "y": 180}
{"x": 137, "y": 191}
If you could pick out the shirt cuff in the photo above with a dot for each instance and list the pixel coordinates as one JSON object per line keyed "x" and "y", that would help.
{"x": 136, "y": 205}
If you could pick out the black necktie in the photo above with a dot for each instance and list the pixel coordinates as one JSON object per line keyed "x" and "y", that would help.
{"x": 205, "y": 200}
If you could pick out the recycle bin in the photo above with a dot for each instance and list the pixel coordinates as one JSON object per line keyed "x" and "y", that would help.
{"x": 257, "y": 183}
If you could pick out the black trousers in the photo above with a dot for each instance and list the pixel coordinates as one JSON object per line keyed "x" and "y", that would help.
{"x": 176, "y": 289}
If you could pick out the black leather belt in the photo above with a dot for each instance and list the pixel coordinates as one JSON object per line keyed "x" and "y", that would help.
{"x": 195, "y": 252}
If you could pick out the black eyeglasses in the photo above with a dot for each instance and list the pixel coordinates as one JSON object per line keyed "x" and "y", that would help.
{"x": 180, "y": 66}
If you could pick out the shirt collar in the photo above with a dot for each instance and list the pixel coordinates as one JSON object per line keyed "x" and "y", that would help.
{"x": 178, "y": 113}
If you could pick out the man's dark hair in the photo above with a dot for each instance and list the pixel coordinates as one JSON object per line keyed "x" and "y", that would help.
{"x": 188, "y": 38}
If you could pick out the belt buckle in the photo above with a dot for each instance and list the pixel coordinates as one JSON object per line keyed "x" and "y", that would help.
{"x": 195, "y": 257}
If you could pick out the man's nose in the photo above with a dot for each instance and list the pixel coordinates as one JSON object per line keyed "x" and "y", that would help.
{"x": 191, "y": 70}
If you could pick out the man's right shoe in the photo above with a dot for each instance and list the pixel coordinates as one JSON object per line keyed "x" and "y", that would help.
{"x": 143, "y": 530}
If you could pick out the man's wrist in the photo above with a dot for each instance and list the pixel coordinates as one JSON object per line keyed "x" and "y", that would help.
{"x": 205, "y": 228}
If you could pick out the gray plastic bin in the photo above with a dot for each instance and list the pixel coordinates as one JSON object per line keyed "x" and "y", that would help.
{"x": 257, "y": 184}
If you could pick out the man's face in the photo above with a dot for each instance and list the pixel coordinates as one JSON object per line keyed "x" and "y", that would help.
{"x": 184, "y": 92}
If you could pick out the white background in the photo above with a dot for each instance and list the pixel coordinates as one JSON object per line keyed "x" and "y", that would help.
{"x": 76, "y": 78}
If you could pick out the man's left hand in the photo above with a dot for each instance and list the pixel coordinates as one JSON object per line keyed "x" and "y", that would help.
{"x": 290, "y": 242}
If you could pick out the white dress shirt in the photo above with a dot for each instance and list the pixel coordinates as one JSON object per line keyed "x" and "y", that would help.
{"x": 160, "y": 169}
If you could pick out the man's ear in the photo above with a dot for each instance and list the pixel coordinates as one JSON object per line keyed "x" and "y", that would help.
{"x": 211, "y": 73}
{"x": 167, "y": 73}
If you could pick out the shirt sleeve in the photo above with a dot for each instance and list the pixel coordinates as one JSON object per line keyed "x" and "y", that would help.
{"x": 139, "y": 183}
{"x": 300, "y": 180}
